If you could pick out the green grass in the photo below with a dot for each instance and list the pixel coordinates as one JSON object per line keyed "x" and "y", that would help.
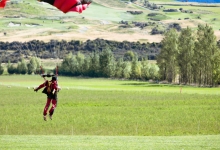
{"x": 103, "y": 113}
{"x": 207, "y": 14}
{"x": 159, "y": 17}
{"x": 110, "y": 107}
{"x": 29, "y": 142}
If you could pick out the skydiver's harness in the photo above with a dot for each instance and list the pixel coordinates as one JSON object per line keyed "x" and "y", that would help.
{"x": 48, "y": 89}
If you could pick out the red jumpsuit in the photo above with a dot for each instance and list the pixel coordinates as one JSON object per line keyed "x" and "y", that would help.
{"x": 51, "y": 95}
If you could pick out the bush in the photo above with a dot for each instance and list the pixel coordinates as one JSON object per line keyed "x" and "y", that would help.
{"x": 11, "y": 69}
{"x": 156, "y": 31}
{"x": 1, "y": 70}
{"x": 22, "y": 67}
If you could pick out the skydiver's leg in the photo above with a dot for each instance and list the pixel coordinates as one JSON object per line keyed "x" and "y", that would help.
{"x": 46, "y": 106}
{"x": 54, "y": 105}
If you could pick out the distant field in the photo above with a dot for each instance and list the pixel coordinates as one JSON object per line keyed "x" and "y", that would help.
{"x": 100, "y": 20}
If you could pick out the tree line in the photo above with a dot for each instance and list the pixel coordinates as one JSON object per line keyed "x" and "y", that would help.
{"x": 191, "y": 57}
{"x": 104, "y": 64}
{"x": 22, "y": 67}
{"x": 59, "y": 49}
{"x": 96, "y": 64}
{"x": 185, "y": 57}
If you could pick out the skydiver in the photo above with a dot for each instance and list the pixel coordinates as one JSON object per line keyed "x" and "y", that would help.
{"x": 51, "y": 89}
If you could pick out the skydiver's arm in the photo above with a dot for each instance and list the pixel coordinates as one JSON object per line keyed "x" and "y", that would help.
{"x": 41, "y": 86}
{"x": 56, "y": 87}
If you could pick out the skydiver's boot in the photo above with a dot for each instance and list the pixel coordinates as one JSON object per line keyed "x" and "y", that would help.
{"x": 45, "y": 118}
{"x": 50, "y": 117}
{"x": 51, "y": 112}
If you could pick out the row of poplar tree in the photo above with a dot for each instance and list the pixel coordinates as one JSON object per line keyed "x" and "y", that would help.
{"x": 104, "y": 64}
{"x": 96, "y": 64}
{"x": 191, "y": 57}
{"x": 22, "y": 67}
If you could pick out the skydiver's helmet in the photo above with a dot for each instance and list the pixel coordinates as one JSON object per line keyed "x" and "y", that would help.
{"x": 54, "y": 78}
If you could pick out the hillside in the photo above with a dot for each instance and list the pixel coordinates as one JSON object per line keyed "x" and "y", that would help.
{"x": 25, "y": 20}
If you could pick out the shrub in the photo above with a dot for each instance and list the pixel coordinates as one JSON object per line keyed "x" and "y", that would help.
{"x": 1, "y": 70}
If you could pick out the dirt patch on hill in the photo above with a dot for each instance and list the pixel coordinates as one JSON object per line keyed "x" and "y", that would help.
{"x": 83, "y": 34}
{"x": 217, "y": 34}
{"x": 185, "y": 23}
{"x": 90, "y": 33}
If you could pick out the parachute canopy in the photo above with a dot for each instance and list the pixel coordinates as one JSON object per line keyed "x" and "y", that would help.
{"x": 69, "y": 5}
{"x": 3, "y": 3}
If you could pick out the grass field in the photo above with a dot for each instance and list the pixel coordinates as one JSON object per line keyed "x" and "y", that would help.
{"x": 108, "y": 114}
{"x": 30, "y": 142}
{"x": 104, "y": 114}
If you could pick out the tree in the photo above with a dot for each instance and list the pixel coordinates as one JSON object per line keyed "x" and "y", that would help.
{"x": 1, "y": 69}
{"x": 118, "y": 68}
{"x": 216, "y": 68}
{"x": 94, "y": 67}
{"x": 167, "y": 58}
{"x": 126, "y": 70}
{"x": 32, "y": 65}
{"x": 65, "y": 68}
{"x": 145, "y": 66}
{"x": 106, "y": 60}
{"x": 185, "y": 57}
{"x": 22, "y": 67}
{"x": 11, "y": 68}
{"x": 206, "y": 56}
{"x": 135, "y": 69}
{"x": 129, "y": 56}
{"x": 153, "y": 72}
{"x": 79, "y": 63}
{"x": 85, "y": 66}
{"x": 148, "y": 70}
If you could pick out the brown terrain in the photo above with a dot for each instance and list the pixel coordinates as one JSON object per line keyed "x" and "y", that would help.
{"x": 90, "y": 33}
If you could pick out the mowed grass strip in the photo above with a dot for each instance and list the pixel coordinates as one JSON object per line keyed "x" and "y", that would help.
{"x": 108, "y": 107}
{"x": 29, "y": 142}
